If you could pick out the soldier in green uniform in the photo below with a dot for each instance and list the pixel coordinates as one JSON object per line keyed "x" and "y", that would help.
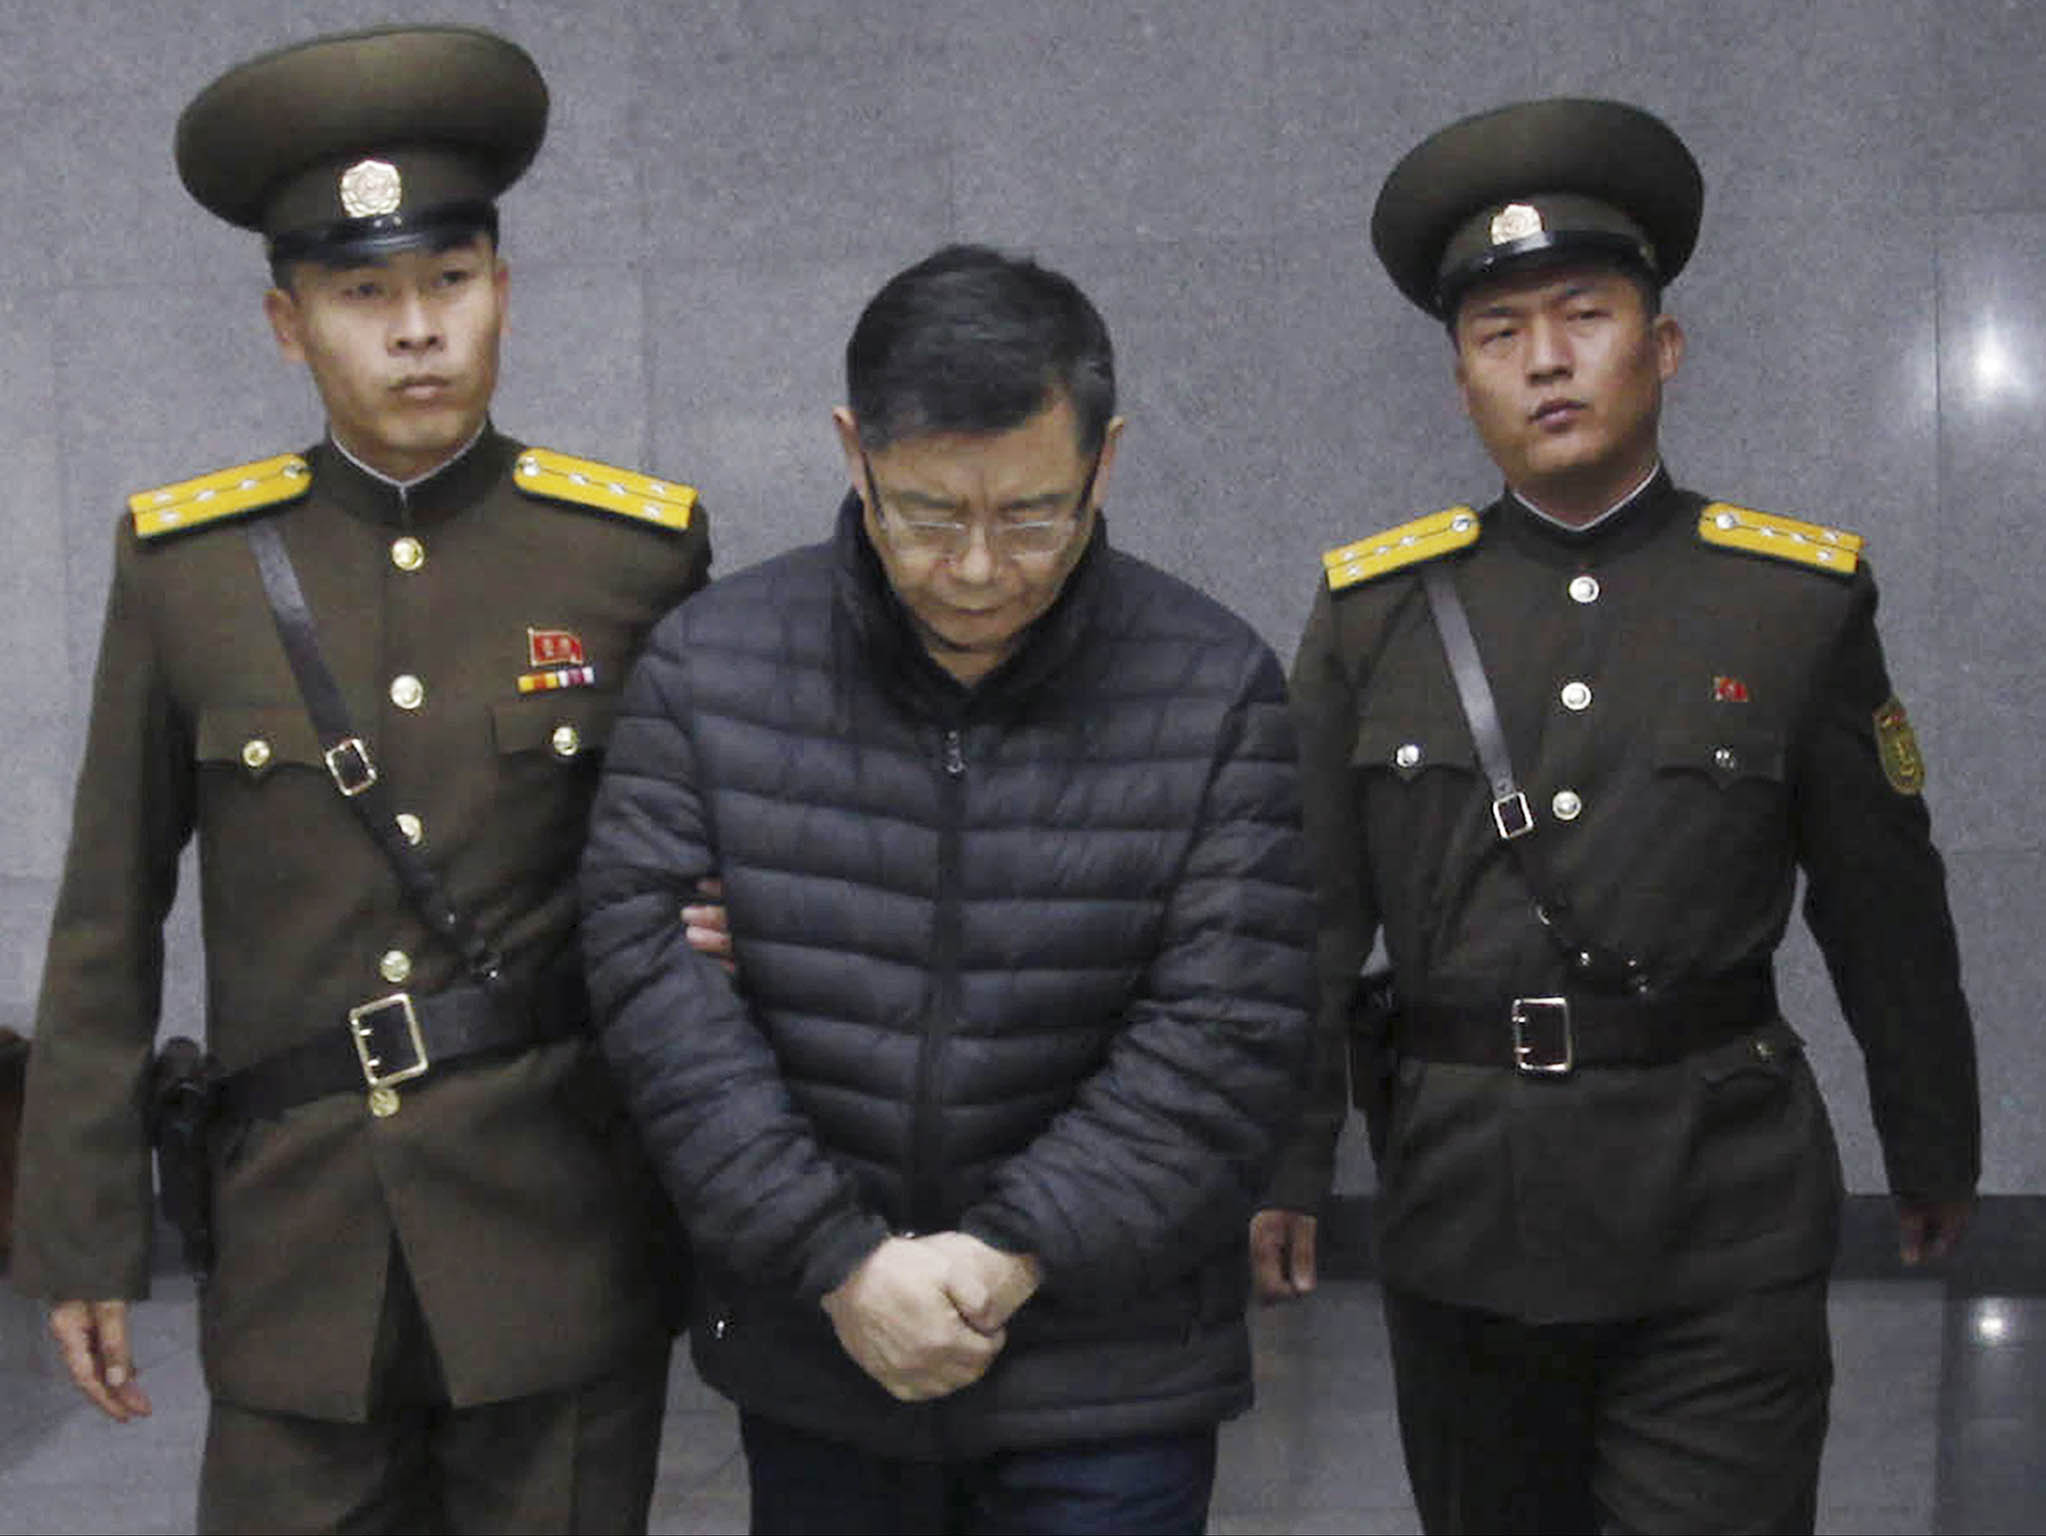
{"x": 434, "y": 1301}
{"x": 1568, "y": 754}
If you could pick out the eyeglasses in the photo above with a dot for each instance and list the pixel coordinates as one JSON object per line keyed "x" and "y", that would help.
{"x": 1007, "y": 537}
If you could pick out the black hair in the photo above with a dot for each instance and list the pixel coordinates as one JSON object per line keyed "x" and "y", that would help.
{"x": 976, "y": 341}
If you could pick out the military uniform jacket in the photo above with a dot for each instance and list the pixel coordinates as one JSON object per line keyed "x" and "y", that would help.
{"x": 509, "y": 1182}
{"x": 1697, "y": 709}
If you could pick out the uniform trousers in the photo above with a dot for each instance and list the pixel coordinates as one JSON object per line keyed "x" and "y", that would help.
{"x": 811, "y": 1485}
{"x": 578, "y": 1460}
{"x": 1709, "y": 1420}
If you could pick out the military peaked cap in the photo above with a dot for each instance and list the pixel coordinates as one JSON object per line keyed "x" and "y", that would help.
{"x": 1537, "y": 181}
{"x": 364, "y": 142}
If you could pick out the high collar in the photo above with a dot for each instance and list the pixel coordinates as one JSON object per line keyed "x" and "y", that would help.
{"x": 885, "y": 633}
{"x": 1628, "y": 526}
{"x": 1611, "y": 514}
{"x": 453, "y": 488}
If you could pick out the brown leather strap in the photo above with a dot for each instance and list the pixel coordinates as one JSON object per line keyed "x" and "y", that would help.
{"x": 348, "y": 758}
{"x": 1594, "y": 963}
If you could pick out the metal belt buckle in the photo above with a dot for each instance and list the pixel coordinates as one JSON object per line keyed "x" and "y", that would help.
{"x": 1510, "y": 814}
{"x": 1542, "y": 1043}
{"x": 370, "y": 1022}
{"x": 348, "y": 762}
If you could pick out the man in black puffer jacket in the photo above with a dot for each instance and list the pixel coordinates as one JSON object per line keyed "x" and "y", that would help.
{"x": 1007, "y": 823}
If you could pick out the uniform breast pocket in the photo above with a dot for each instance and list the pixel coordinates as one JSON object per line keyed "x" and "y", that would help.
{"x": 1723, "y": 790}
{"x": 256, "y": 742}
{"x": 1728, "y": 756}
{"x": 568, "y": 726}
{"x": 1405, "y": 747}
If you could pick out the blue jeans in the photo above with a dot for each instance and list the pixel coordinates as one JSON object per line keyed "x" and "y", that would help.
{"x": 804, "y": 1483}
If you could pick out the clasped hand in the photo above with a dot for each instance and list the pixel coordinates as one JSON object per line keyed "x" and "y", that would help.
{"x": 925, "y": 1316}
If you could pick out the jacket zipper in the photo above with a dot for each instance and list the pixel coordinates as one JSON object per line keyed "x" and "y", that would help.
{"x": 926, "y": 1172}
{"x": 926, "y": 1175}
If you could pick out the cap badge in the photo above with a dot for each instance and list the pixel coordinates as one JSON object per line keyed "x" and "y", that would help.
{"x": 370, "y": 188}
{"x": 1516, "y": 221}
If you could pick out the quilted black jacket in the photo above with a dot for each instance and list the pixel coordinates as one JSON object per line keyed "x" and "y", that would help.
{"x": 1030, "y": 960}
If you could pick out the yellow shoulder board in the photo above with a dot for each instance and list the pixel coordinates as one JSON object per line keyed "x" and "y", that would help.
{"x": 224, "y": 493}
{"x": 1786, "y": 538}
{"x": 586, "y": 483}
{"x": 1423, "y": 539}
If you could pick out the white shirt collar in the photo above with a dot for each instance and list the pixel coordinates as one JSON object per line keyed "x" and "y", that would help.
{"x": 1610, "y": 512}
{"x": 402, "y": 486}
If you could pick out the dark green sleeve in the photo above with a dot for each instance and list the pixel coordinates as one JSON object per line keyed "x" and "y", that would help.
{"x": 84, "y": 1216}
{"x": 1324, "y": 705}
{"x": 1876, "y": 901}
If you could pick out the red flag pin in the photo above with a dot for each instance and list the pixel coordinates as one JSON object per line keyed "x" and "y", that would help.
{"x": 554, "y": 648}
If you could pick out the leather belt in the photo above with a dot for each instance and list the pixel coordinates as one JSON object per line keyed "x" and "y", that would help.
{"x": 1556, "y": 1034}
{"x": 403, "y": 1036}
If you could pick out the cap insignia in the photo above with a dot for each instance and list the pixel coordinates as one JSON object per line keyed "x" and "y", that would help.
{"x": 1516, "y": 221}
{"x": 370, "y": 188}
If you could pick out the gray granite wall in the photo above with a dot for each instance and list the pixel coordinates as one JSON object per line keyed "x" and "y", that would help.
{"x": 727, "y": 181}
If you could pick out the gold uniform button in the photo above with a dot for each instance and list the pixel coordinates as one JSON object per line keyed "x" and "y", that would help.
{"x": 407, "y": 691}
{"x": 413, "y": 828}
{"x": 566, "y": 741}
{"x": 395, "y": 967}
{"x": 383, "y": 1102}
{"x": 1567, "y": 805}
{"x": 1407, "y": 756}
{"x": 407, "y": 553}
{"x": 1584, "y": 588}
{"x": 255, "y": 754}
{"x": 1576, "y": 697}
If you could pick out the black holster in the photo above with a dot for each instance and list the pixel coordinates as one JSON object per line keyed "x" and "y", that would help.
{"x": 184, "y": 1101}
{"x": 1374, "y": 1061}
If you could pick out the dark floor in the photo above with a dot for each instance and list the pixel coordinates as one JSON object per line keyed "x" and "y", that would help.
{"x": 1939, "y": 1412}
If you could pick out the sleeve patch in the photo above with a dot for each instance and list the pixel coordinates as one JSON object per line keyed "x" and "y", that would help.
{"x": 1897, "y": 746}
{"x": 224, "y": 493}
{"x": 1425, "y": 538}
{"x": 1782, "y": 538}
{"x": 587, "y": 483}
